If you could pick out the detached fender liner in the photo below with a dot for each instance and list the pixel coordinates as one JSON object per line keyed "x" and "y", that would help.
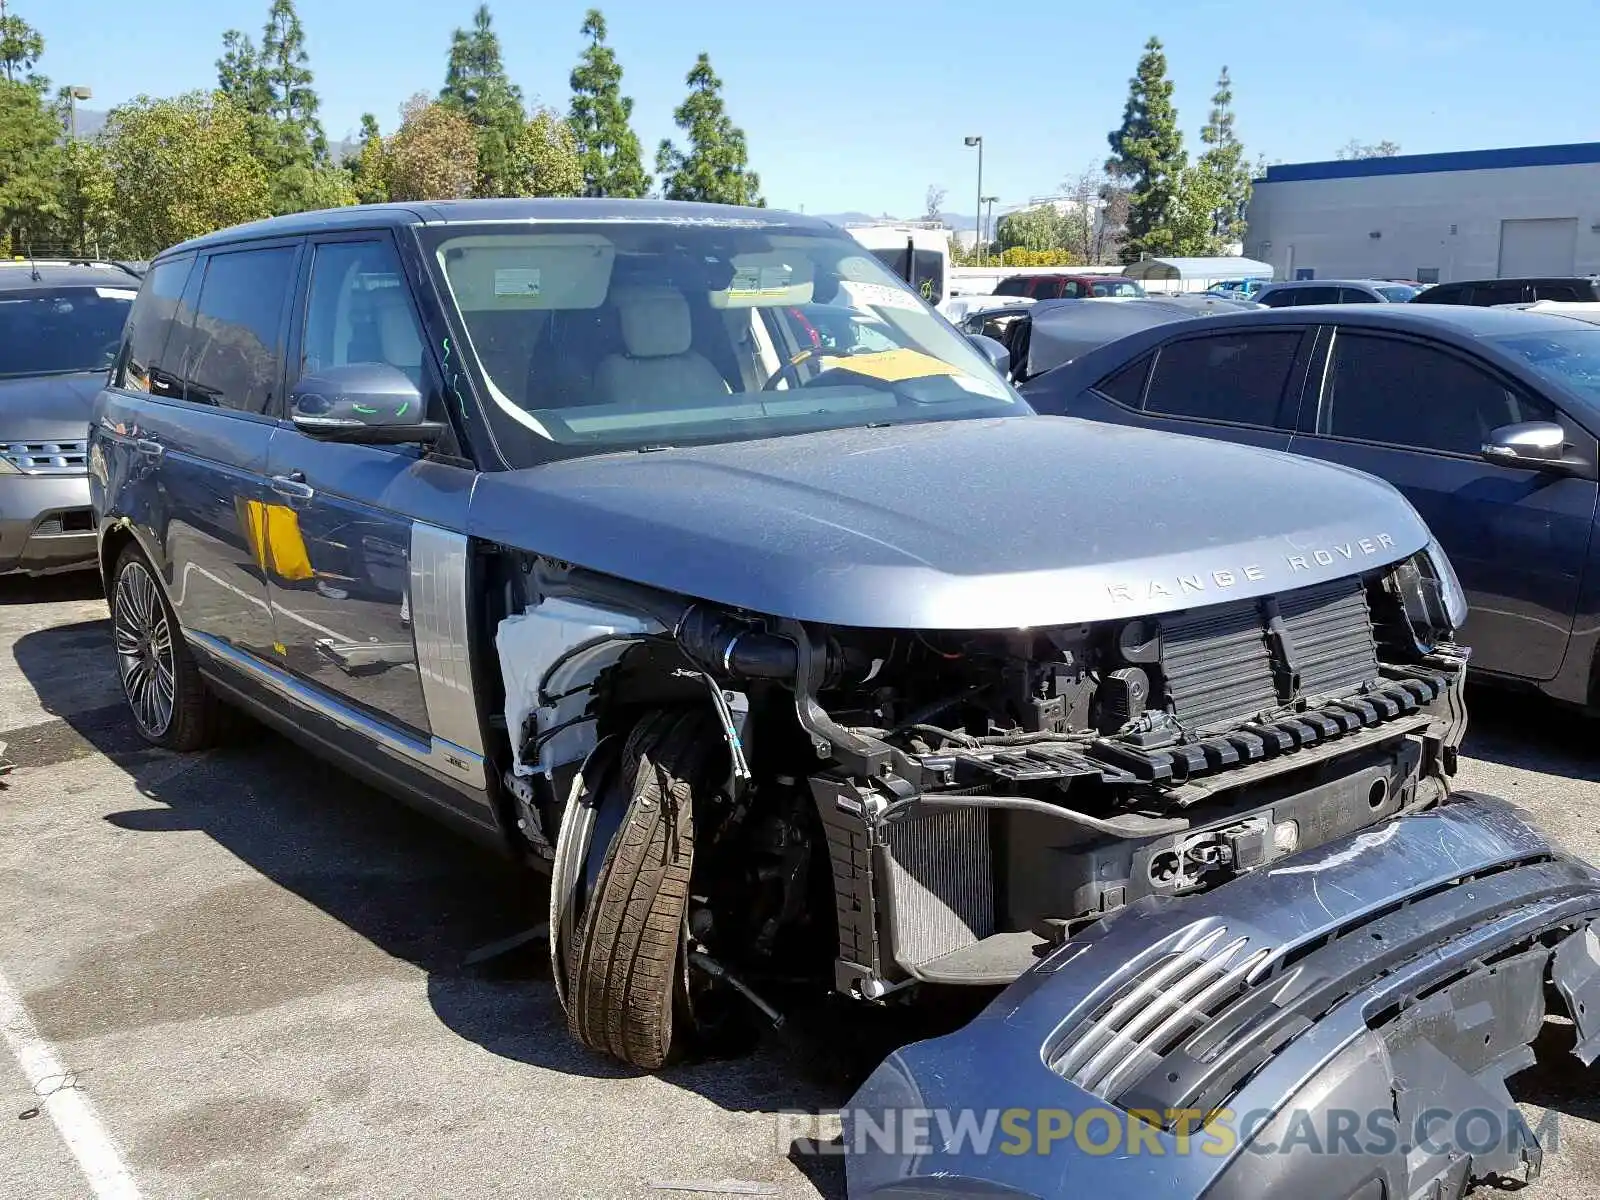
{"x": 1348, "y": 1017}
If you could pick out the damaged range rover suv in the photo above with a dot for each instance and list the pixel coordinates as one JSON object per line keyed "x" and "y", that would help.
{"x": 687, "y": 552}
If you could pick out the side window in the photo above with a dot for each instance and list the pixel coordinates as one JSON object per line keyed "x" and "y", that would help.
{"x": 1071, "y": 290}
{"x": 1559, "y": 291}
{"x": 1046, "y": 289}
{"x": 359, "y": 310}
{"x": 1356, "y": 296}
{"x": 1282, "y": 298}
{"x": 231, "y": 355}
{"x": 1487, "y": 294}
{"x": 1317, "y": 295}
{"x": 1126, "y": 384}
{"x": 1406, "y": 394}
{"x": 1236, "y": 376}
{"x": 1009, "y": 287}
{"x": 143, "y": 365}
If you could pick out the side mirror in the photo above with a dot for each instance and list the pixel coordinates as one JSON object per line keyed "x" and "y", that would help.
{"x": 371, "y": 403}
{"x": 1538, "y": 445}
{"x": 995, "y": 353}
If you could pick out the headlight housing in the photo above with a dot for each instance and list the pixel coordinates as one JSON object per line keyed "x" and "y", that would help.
{"x": 1450, "y": 592}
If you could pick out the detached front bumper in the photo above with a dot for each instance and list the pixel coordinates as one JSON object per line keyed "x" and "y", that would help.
{"x": 1347, "y": 1018}
{"x": 46, "y": 524}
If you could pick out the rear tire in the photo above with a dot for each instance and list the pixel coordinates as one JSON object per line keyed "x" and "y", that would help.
{"x": 625, "y": 991}
{"x": 167, "y": 697}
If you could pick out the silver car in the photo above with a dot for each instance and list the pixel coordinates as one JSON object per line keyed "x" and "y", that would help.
{"x": 60, "y": 326}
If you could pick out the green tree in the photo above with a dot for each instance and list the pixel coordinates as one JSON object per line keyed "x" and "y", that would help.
{"x": 29, "y": 191}
{"x": 1038, "y": 228}
{"x": 292, "y": 102}
{"x": 179, "y": 168}
{"x": 367, "y": 168}
{"x": 1147, "y": 155}
{"x": 434, "y": 153}
{"x": 475, "y": 85}
{"x": 545, "y": 161}
{"x": 240, "y": 76}
{"x": 600, "y": 119}
{"x": 1222, "y": 172}
{"x": 715, "y": 167}
{"x": 20, "y": 46}
{"x": 86, "y": 211}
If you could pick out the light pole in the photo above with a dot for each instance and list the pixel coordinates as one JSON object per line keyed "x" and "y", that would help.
{"x": 74, "y": 94}
{"x": 988, "y": 224}
{"x": 977, "y": 217}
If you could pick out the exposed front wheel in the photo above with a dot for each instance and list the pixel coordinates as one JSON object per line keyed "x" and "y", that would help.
{"x": 625, "y": 988}
{"x": 170, "y": 703}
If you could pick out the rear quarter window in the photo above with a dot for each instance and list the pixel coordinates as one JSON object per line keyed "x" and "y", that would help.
{"x": 142, "y": 365}
{"x": 1125, "y": 385}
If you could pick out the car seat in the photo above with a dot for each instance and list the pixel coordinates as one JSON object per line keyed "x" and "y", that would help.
{"x": 659, "y": 366}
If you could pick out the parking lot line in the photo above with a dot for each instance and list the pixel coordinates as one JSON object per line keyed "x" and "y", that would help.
{"x": 65, "y": 1103}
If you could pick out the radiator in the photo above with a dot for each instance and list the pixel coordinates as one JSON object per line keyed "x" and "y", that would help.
{"x": 942, "y": 876}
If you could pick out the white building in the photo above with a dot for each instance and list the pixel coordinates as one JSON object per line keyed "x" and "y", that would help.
{"x": 1473, "y": 214}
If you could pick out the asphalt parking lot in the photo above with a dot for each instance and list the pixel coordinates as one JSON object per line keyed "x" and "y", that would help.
{"x": 254, "y": 970}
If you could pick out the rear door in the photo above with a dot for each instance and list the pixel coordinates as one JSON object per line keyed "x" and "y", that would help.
{"x": 1236, "y": 385}
{"x": 206, "y": 430}
{"x": 1416, "y": 414}
{"x": 342, "y": 590}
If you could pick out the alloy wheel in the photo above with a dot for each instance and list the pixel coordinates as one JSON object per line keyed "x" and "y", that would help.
{"x": 143, "y": 639}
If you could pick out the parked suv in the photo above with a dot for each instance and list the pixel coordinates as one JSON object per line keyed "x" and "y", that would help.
{"x": 686, "y": 552}
{"x": 1333, "y": 291}
{"x": 1069, "y": 287}
{"x": 60, "y": 326}
{"x": 1485, "y": 293}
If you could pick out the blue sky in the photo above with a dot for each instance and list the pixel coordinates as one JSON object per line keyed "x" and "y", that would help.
{"x": 861, "y": 106}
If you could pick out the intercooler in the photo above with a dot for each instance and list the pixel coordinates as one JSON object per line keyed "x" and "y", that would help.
{"x": 1232, "y": 661}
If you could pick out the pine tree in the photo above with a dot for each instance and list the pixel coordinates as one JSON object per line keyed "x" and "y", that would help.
{"x": 715, "y": 166}
{"x": 1223, "y": 166}
{"x": 476, "y": 86}
{"x": 291, "y": 102}
{"x": 20, "y": 47}
{"x": 1147, "y": 154}
{"x": 599, "y": 119}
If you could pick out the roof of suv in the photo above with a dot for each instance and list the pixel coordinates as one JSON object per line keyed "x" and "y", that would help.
{"x": 21, "y": 274}
{"x": 1536, "y": 280}
{"x": 446, "y": 212}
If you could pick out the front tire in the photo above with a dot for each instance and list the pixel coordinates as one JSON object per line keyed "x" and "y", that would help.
{"x": 625, "y": 992}
{"x": 170, "y": 703}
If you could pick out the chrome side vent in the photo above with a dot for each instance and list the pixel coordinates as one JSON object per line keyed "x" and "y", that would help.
{"x": 47, "y": 458}
{"x": 1150, "y": 1015}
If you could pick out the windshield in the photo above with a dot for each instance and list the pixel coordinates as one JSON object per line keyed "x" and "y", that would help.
{"x": 1569, "y": 359}
{"x": 56, "y": 331}
{"x": 925, "y": 273}
{"x": 1117, "y": 287}
{"x": 615, "y": 336}
{"x": 1399, "y": 293}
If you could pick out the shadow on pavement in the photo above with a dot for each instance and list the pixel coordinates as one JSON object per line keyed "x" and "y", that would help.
{"x": 1531, "y": 732}
{"x": 48, "y": 589}
{"x": 393, "y": 876}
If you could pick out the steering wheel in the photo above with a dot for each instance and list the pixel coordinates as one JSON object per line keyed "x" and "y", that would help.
{"x": 788, "y": 369}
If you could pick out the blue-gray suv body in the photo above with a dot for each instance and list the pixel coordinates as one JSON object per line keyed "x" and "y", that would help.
{"x": 687, "y": 553}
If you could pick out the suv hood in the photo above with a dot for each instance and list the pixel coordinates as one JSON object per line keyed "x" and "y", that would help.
{"x": 48, "y": 408}
{"x": 994, "y": 524}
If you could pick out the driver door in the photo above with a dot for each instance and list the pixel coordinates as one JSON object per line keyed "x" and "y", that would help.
{"x": 339, "y": 516}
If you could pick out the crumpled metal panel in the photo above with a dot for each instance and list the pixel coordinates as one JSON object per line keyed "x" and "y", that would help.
{"x": 1403, "y": 974}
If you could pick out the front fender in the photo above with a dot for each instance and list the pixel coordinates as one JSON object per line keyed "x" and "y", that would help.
{"x": 1340, "y": 1016}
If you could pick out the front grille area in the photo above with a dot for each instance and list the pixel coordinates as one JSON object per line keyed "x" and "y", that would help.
{"x": 1235, "y": 661}
{"x": 47, "y": 458}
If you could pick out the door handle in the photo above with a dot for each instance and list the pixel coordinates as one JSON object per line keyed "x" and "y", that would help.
{"x": 149, "y": 448}
{"x": 293, "y": 486}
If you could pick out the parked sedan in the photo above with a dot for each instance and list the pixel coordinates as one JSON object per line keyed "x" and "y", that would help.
{"x": 1487, "y": 419}
{"x": 1334, "y": 291}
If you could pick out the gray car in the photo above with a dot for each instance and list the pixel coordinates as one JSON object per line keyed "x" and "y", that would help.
{"x": 684, "y": 552}
{"x": 1334, "y": 291}
{"x": 60, "y": 326}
